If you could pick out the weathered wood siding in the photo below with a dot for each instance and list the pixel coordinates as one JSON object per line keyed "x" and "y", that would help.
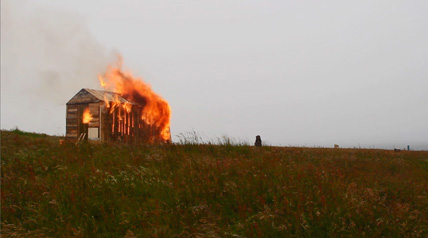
{"x": 72, "y": 121}
{"x": 94, "y": 109}
{"x": 74, "y": 124}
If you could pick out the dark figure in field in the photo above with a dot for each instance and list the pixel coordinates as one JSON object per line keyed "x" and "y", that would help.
{"x": 258, "y": 141}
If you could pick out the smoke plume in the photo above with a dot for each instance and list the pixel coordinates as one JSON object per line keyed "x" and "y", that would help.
{"x": 47, "y": 55}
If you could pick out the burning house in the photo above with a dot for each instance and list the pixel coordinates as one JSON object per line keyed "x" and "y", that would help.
{"x": 109, "y": 116}
{"x": 127, "y": 110}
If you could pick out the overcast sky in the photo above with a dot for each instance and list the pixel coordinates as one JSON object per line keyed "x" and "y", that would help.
{"x": 299, "y": 73}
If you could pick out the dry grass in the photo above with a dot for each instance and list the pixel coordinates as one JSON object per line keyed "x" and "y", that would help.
{"x": 193, "y": 190}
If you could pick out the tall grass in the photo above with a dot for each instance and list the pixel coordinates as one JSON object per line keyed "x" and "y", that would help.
{"x": 194, "y": 138}
{"x": 208, "y": 190}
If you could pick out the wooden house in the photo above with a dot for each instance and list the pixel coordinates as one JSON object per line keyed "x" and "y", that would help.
{"x": 113, "y": 119}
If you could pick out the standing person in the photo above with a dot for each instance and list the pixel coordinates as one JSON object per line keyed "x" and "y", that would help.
{"x": 258, "y": 141}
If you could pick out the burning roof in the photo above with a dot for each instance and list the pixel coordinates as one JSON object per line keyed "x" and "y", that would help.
{"x": 98, "y": 96}
{"x": 110, "y": 96}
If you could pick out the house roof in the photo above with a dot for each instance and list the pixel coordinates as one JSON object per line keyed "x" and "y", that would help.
{"x": 87, "y": 95}
{"x": 105, "y": 95}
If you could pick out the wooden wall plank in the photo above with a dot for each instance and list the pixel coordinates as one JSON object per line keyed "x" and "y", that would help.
{"x": 71, "y": 121}
{"x": 72, "y": 116}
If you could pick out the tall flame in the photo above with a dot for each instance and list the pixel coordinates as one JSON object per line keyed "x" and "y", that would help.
{"x": 87, "y": 116}
{"x": 156, "y": 110}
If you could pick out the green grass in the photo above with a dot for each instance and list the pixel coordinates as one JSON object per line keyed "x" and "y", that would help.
{"x": 30, "y": 134}
{"x": 191, "y": 190}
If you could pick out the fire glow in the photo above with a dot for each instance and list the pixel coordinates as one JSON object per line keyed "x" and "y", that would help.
{"x": 156, "y": 110}
{"x": 87, "y": 116}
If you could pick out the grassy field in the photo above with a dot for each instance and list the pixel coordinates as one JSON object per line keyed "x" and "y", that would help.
{"x": 116, "y": 190}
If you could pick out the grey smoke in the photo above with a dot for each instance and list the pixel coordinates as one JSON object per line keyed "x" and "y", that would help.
{"x": 47, "y": 56}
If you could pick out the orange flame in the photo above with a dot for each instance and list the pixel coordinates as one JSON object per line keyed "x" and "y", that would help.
{"x": 115, "y": 103}
{"x": 156, "y": 110}
{"x": 102, "y": 82}
{"x": 127, "y": 106}
{"x": 87, "y": 116}
{"x": 106, "y": 101}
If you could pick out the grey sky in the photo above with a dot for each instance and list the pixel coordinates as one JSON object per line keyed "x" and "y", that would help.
{"x": 313, "y": 73}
